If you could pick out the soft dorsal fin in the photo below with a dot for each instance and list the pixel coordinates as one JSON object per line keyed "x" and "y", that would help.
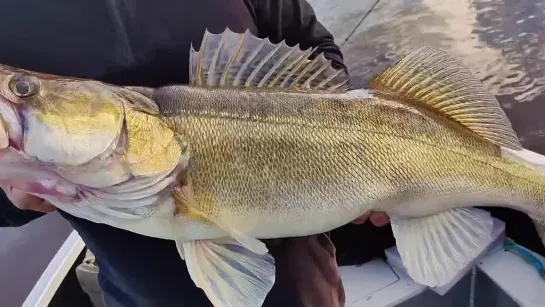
{"x": 444, "y": 84}
{"x": 244, "y": 60}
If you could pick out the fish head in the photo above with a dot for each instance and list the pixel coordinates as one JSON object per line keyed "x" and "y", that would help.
{"x": 59, "y": 120}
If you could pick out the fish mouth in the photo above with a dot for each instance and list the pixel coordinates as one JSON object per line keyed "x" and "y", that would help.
{"x": 11, "y": 128}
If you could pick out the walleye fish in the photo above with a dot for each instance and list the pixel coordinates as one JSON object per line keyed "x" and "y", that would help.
{"x": 268, "y": 142}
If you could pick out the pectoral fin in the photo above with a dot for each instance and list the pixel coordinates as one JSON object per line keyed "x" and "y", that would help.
{"x": 4, "y": 137}
{"x": 229, "y": 274}
{"x": 187, "y": 206}
{"x": 436, "y": 248}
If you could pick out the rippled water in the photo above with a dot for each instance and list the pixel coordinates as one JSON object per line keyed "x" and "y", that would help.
{"x": 502, "y": 42}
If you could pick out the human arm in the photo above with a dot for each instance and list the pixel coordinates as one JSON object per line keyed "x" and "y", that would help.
{"x": 378, "y": 218}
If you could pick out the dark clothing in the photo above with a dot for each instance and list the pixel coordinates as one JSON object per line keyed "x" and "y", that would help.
{"x": 147, "y": 43}
{"x": 11, "y": 216}
{"x": 143, "y": 42}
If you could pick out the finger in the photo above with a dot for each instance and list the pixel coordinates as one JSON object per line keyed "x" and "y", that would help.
{"x": 6, "y": 187}
{"x": 25, "y": 201}
{"x": 41, "y": 206}
{"x": 379, "y": 219}
{"x": 362, "y": 219}
{"x": 20, "y": 198}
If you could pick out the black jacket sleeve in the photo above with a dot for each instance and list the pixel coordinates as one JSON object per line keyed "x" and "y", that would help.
{"x": 11, "y": 216}
{"x": 295, "y": 22}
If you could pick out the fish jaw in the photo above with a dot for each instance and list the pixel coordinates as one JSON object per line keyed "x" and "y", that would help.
{"x": 22, "y": 172}
{"x": 32, "y": 176}
{"x": 42, "y": 188}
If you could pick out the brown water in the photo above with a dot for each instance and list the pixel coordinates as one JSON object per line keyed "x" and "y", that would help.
{"x": 502, "y": 42}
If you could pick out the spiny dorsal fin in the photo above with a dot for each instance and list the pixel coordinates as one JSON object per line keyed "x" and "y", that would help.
{"x": 233, "y": 59}
{"x": 444, "y": 84}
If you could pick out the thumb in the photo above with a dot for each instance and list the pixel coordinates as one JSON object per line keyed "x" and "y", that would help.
{"x": 25, "y": 201}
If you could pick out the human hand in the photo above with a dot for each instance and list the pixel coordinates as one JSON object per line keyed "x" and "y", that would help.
{"x": 25, "y": 201}
{"x": 378, "y": 218}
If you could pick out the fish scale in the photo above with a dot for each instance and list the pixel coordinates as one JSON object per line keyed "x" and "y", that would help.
{"x": 230, "y": 146}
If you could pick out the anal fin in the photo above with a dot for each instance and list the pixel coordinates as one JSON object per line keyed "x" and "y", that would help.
{"x": 435, "y": 248}
{"x": 228, "y": 273}
{"x": 540, "y": 229}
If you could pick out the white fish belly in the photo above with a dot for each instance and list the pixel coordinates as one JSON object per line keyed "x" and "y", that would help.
{"x": 298, "y": 221}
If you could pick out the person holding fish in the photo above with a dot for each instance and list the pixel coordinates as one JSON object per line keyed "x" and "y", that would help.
{"x": 264, "y": 140}
{"x": 148, "y": 47}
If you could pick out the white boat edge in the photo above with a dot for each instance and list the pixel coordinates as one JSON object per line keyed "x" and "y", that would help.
{"x": 375, "y": 283}
{"x": 52, "y": 277}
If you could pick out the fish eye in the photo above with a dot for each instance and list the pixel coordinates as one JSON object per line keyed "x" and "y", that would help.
{"x": 24, "y": 86}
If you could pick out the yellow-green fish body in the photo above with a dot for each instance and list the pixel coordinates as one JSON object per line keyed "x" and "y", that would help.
{"x": 266, "y": 143}
{"x": 285, "y": 163}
